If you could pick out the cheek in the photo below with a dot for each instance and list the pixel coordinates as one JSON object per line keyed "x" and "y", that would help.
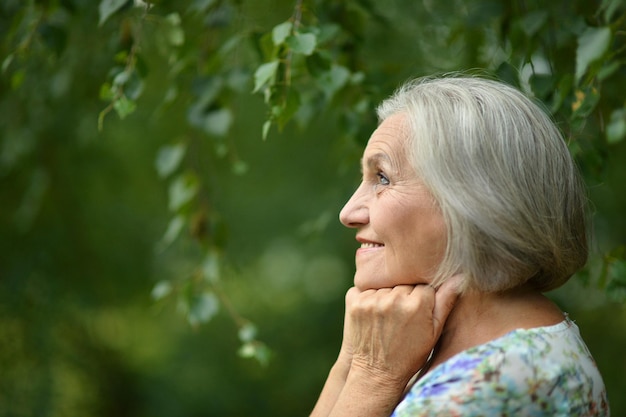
{"x": 424, "y": 240}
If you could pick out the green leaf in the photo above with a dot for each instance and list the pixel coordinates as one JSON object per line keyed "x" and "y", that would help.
{"x": 134, "y": 86}
{"x": 288, "y": 108}
{"x": 508, "y": 73}
{"x": 592, "y": 45}
{"x": 173, "y": 230}
{"x": 610, "y": 7}
{"x": 120, "y": 79}
{"x": 264, "y": 74}
{"x": 255, "y": 350}
{"x": 123, "y": 106}
{"x": 211, "y": 267}
{"x": 247, "y": 332}
{"x": 7, "y": 62}
{"x": 533, "y": 21}
{"x": 182, "y": 190}
{"x": 161, "y": 290}
{"x": 106, "y": 92}
{"x": 218, "y": 122}
{"x": 542, "y": 85}
{"x": 202, "y": 308}
{"x": 563, "y": 89}
{"x": 616, "y": 129}
{"x": 302, "y": 43}
{"x": 608, "y": 69}
{"x": 332, "y": 81}
{"x": 175, "y": 34}
{"x": 266, "y": 129}
{"x": 108, "y": 7}
{"x": 266, "y": 46}
{"x": 239, "y": 167}
{"x": 200, "y": 6}
{"x": 281, "y": 32}
{"x": 586, "y": 101}
{"x": 169, "y": 158}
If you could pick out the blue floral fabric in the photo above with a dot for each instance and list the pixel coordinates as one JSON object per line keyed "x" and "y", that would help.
{"x": 539, "y": 372}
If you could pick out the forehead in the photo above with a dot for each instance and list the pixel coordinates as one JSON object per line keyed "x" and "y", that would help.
{"x": 388, "y": 142}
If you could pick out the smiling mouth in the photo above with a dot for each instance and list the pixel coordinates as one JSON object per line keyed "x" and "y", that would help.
{"x": 371, "y": 245}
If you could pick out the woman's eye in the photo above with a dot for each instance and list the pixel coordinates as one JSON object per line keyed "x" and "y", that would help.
{"x": 382, "y": 179}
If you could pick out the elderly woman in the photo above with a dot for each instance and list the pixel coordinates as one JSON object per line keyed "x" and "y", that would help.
{"x": 470, "y": 207}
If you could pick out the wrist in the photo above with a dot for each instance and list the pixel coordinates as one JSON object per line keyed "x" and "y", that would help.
{"x": 380, "y": 381}
{"x": 344, "y": 360}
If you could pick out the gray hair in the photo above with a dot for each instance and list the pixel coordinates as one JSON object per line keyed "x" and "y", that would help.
{"x": 511, "y": 195}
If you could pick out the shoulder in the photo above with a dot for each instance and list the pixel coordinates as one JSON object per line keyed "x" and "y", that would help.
{"x": 535, "y": 372}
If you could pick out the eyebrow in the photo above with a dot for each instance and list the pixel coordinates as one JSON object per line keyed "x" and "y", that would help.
{"x": 374, "y": 160}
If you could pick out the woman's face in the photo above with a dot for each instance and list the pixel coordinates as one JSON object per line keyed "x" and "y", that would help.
{"x": 397, "y": 221}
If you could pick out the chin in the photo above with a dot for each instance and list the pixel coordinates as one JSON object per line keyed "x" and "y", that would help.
{"x": 364, "y": 283}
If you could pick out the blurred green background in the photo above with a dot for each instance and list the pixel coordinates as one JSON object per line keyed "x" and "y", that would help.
{"x": 84, "y": 213}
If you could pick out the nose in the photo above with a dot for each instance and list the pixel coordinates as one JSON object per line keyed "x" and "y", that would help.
{"x": 356, "y": 212}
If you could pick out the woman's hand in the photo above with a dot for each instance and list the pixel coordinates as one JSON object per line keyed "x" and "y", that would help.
{"x": 389, "y": 333}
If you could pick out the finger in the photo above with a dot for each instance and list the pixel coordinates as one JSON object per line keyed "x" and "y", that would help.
{"x": 445, "y": 298}
{"x": 351, "y": 295}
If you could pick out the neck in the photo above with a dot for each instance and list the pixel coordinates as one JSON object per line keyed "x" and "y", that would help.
{"x": 479, "y": 317}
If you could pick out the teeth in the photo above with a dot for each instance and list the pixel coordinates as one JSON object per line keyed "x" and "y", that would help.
{"x": 371, "y": 245}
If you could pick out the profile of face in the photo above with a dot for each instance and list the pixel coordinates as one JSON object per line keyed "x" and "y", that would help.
{"x": 398, "y": 223}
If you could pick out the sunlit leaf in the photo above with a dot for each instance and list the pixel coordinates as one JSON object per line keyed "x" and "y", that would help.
{"x": 175, "y": 34}
{"x": 238, "y": 80}
{"x": 264, "y": 74}
{"x": 211, "y": 267}
{"x": 129, "y": 82}
{"x": 108, "y": 7}
{"x": 169, "y": 158}
{"x": 6, "y": 62}
{"x": 247, "y": 332}
{"x": 266, "y": 129}
{"x": 616, "y": 129}
{"x": 181, "y": 191}
{"x": 161, "y": 290}
{"x": 202, "y": 308}
{"x": 124, "y": 106}
{"x": 201, "y": 5}
{"x": 533, "y": 21}
{"x": 239, "y": 167}
{"x": 218, "y": 122}
{"x": 173, "y": 230}
{"x": 121, "y": 78}
{"x": 586, "y": 101}
{"x": 302, "y": 43}
{"x": 280, "y": 32}
{"x": 592, "y": 45}
{"x": 332, "y": 81}
{"x": 255, "y": 350}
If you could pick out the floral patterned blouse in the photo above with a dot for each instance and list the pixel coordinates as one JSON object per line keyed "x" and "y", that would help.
{"x": 544, "y": 371}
